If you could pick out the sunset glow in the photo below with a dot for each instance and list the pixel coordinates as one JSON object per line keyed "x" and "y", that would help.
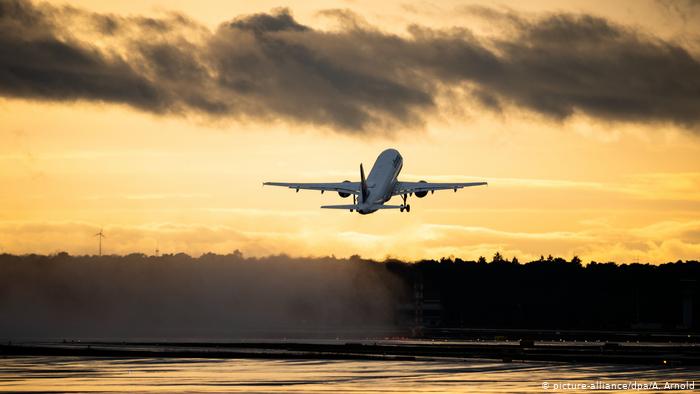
{"x": 601, "y": 183}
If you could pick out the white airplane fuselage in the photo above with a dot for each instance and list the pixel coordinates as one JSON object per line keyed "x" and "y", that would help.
{"x": 381, "y": 180}
{"x": 371, "y": 193}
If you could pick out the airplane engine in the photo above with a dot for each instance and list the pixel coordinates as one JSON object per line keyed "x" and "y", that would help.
{"x": 343, "y": 194}
{"x": 423, "y": 193}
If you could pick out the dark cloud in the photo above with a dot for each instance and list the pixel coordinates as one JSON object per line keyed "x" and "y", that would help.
{"x": 567, "y": 63}
{"x": 36, "y": 63}
{"x": 268, "y": 66}
{"x": 282, "y": 20}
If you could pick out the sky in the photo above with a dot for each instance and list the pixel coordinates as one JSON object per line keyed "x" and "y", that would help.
{"x": 158, "y": 121}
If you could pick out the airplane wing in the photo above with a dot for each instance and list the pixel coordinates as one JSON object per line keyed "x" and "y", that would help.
{"x": 344, "y": 187}
{"x": 418, "y": 187}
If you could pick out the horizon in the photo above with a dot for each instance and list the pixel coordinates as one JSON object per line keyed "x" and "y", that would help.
{"x": 495, "y": 258}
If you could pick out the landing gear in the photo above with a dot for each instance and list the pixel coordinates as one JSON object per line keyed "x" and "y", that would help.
{"x": 406, "y": 207}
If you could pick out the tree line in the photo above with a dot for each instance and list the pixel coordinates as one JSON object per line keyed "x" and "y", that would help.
{"x": 215, "y": 295}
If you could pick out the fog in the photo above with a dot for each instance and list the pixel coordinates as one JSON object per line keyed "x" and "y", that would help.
{"x": 176, "y": 296}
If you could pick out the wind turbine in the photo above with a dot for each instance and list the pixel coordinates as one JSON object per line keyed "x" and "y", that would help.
{"x": 100, "y": 235}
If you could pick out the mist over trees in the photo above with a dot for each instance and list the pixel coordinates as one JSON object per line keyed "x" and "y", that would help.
{"x": 231, "y": 296}
{"x": 176, "y": 296}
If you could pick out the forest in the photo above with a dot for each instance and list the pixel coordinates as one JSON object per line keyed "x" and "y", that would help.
{"x": 226, "y": 296}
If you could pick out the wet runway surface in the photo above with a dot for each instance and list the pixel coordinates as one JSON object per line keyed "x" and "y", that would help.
{"x": 105, "y": 374}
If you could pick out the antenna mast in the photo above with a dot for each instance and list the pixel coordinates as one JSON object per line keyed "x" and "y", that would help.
{"x": 100, "y": 235}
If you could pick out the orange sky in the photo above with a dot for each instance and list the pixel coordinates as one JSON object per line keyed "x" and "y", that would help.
{"x": 601, "y": 189}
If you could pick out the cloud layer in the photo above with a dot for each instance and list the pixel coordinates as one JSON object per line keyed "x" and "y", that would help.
{"x": 597, "y": 240}
{"x": 356, "y": 78}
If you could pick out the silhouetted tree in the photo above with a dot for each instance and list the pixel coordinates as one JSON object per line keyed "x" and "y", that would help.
{"x": 176, "y": 294}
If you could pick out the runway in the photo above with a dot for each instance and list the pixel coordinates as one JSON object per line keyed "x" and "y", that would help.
{"x": 176, "y": 374}
{"x": 608, "y": 352}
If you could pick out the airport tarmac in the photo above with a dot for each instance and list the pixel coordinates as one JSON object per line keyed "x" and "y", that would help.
{"x": 646, "y": 353}
{"x": 197, "y": 375}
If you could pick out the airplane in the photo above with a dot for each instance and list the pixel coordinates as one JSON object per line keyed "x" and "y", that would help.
{"x": 369, "y": 195}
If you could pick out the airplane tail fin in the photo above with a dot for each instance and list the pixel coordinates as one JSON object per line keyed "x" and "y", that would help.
{"x": 363, "y": 183}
